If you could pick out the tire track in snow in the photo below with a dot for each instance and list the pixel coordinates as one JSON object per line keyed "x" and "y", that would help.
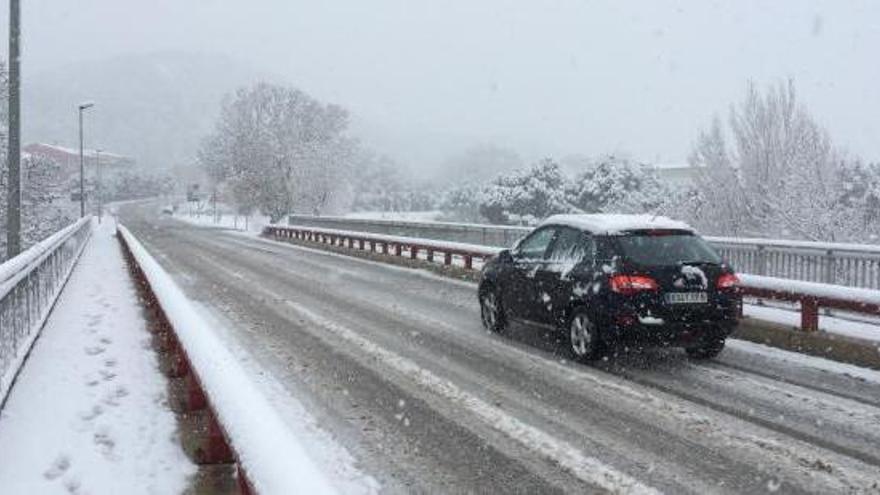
{"x": 587, "y": 469}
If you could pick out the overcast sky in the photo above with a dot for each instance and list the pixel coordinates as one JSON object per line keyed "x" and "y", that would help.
{"x": 543, "y": 77}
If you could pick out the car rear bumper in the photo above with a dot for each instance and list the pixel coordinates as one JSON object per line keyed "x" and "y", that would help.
{"x": 670, "y": 334}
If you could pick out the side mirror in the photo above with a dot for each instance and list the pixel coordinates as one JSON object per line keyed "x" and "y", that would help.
{"x": 505, "y": 256}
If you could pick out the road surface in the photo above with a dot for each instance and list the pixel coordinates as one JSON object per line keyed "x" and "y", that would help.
{"x": 397, "y": 368}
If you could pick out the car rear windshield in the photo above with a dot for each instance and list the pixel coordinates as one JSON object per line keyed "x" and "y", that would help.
{"x": 660, "y": 248}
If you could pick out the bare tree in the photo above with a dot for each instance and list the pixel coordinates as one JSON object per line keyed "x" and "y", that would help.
{"x": 782, "y": 178}
{"x": 280, "y": 148}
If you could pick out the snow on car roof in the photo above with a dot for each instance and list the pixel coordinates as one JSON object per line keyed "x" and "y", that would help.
{"x": 616, "y": 223}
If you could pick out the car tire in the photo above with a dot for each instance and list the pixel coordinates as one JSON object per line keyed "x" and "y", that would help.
{"x": 491, "y": 312}
{"x": 584, "y": 343}
{"x": 706, "y": 350}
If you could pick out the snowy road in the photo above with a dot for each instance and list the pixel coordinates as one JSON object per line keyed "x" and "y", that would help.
{"x": 395, "y": 364}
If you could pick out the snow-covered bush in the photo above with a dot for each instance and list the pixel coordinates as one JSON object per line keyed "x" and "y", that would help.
{"x": 45, "y": 201}
{"x": 613, "y": 184}
{"x": 533, "y": 193}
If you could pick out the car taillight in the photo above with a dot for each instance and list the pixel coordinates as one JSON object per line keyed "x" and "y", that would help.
{"x": 632, "y": 284}
{"x": 727, "y": 281}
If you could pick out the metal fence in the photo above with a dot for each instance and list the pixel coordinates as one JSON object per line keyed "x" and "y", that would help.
{"x": 29, "y": 285}
{"x": 852, "y": 265}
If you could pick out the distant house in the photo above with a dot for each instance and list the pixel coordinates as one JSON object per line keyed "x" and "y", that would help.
{"x": 676, "y": 174}
{"x": 68, "y": 159}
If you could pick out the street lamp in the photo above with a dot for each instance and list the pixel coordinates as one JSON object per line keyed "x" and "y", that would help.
{"x": 82, "y": 187}
{"x": 100, "y": 190}
{"x": 13, "y": 146}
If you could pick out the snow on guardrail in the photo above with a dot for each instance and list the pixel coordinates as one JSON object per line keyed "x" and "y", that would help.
{"x": 442, "y": 246}
{"x": 274, "y": 460}
{"x": 812, "y": 289}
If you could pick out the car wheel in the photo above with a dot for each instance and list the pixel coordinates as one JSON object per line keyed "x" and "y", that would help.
{"x": 706, "y": 350}
{"x": 491, "y": 312}
{"x": 583, "y": 337}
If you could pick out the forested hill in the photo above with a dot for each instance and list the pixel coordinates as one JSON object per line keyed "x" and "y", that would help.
{"x": 154, "y": 107}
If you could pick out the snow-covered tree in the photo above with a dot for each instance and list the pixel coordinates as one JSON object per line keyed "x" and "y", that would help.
{"x": 612, "y": 184}
{"x": 45, "y": 206}
{"x": 462, "y": 203}
{"x": 718, "y": 204}
{"x": 284, "y": 150}
{"x": 782, "y": 177}
{"x": 525, "y": 196}
{"x": 45, "y": 203}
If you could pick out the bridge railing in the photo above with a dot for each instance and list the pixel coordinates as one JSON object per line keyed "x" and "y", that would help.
{"x": 453, "y": 252}
{"x": 809, "y": 296}
{"x": 851, "y": 265}
{"x": 29, "y": 285}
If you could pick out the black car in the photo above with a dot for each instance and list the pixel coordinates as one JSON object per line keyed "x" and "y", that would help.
{"x": 614, "y": 279}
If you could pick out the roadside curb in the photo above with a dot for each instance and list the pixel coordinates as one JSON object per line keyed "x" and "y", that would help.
{"x": 822, "y": 344}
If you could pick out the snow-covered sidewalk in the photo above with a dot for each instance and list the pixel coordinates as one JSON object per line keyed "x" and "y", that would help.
{"x": 88, "y": 413}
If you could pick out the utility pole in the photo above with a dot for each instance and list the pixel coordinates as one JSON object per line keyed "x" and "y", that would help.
{"x": 82, "y": 166}
{"x": 13, "y": 150}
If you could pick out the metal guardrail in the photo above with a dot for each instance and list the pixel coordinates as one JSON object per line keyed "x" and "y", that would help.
{"x": 810, "y": 296}
{"x": 29, "y": 286}
{"x": 851, "y": 265}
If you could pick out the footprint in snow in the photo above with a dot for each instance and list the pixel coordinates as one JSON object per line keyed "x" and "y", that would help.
{"x": 73, "y": 486}
{"x": 106, "y": 340}
{"x": 107, "y": 375}
{"x": 91, "y": 414}
{"x": 94, "y": 350}
{"x": 113, "y": 397}
{"x": 105, "y": 442}
{"x": 59, "y": 466}
{"x": 110, "y": 363}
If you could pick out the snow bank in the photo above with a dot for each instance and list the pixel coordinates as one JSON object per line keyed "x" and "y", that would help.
{"x": 815, "y": 289}
{"x": 477, "y": 249}
{"x": 274, "y": 459}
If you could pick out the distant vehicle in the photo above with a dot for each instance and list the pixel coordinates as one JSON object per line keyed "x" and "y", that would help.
{"x": 614, "y": 279}
{"x": 192, "y": 193}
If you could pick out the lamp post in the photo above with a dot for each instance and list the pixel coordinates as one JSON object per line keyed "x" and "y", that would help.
{"x": 13, "y": 148}
{"x": 82, "y": 167}
{"x": 100, "y": 191}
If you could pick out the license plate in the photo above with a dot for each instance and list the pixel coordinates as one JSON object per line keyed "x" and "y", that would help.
{"x": 687, "y": 298}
